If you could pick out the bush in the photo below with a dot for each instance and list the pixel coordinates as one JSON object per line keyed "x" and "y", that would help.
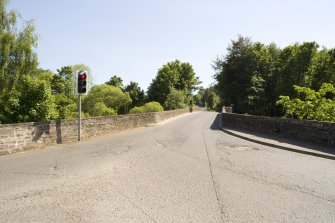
{"x": 100, "y": 109}
{"x": 310, "y": 104}
{"x": 148, "y": 107}
{"x": 137, "y": 110}
{"x": 153, "y": 107}
{"x": 112, "y": 97}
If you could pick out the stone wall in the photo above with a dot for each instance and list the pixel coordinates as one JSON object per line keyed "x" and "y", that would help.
{"x": 313, "y": 131}
{"x": 20, "y": 137}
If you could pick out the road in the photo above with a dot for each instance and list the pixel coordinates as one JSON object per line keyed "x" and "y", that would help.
{"x": 183, "y": 170}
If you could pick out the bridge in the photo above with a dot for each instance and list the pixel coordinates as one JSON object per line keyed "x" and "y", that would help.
{"x": 183, "y": 169}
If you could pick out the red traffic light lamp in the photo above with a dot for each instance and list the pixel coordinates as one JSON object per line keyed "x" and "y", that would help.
{"x": 83, "y": 76}
{"x": 82, "y": 83}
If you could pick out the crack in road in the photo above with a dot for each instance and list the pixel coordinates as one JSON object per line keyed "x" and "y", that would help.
{"x": 212, "y": 177}
{"x": 134, "y": 204}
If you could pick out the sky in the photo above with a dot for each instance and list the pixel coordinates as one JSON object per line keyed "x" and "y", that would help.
{"x": 133, "y": 39}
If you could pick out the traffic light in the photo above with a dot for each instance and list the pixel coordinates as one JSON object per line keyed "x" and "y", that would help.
{"x": 82, "y": 83}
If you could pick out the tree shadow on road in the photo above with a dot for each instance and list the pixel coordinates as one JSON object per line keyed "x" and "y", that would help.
{"x": 216, "y": 125}
{"x": 284, "y": 143}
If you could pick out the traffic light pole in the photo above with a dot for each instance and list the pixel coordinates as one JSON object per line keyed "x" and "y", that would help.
{"x": 79, "y": 116}
{"x": 81, "y": 90}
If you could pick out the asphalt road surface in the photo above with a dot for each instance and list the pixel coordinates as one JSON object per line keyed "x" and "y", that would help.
{"x": 183, "y": 170}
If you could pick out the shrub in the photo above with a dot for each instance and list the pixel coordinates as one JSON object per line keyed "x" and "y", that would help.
{"x": 137, "y": 110}
{"x": 148, "y": 107}
{"x": 153, "y": 107}
{"x": 100, "y": 109}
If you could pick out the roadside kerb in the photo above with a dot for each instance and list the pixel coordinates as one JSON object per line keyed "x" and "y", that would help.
{"x": 273, "y": 143}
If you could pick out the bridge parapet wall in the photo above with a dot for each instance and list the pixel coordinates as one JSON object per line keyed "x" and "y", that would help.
{"x": 23, "y": 136}
{"x": 313, "y": 131}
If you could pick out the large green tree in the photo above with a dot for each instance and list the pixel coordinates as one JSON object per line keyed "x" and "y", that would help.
{"x": 115, "y": 81}
{"x": 105, "y": 99}
{"x": 295, "y": 66}
{"x": 173, "y": 75}
{"x": 176, "y": 100}
{"x": 17, "y": 56}
{"x": 252, "y": 76}
{"x": 244, "y": 75}
{"x": 31, "y": 101}
{"x": 323, "y": 68}
{"x": 136, "y": 93}
{"x": 25, "y": 90}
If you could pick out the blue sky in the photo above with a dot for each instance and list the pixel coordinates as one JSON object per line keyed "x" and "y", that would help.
{"x": 133, "y": 39}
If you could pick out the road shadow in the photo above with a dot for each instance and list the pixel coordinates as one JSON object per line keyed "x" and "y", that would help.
{"x": 59, "y": 132}
{"x": 216, "y": 125}
{"x": 276, "y": 140}
{"x": 291, "y": 144}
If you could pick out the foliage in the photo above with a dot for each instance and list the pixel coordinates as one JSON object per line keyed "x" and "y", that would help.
{"x": 213, "y": 100}
{"x": 148, "y": 107}
{"x": 17, "y": 57}
{"x": 175, "y": 100}
{"x": 115, "y": 81}
{"x": 198, "y": 98}
{"x": 207, "y": 98}
{"x": 64, "y": 82}
{"x": 244, "y": 75}
{"x": 112, "y": 97}
{"x": 153, "y": 107}
{"x": 310, "y": 104}
{"x": 295, "y": 66}
{"x": 252, "y": 75}
{"x": 63, "y": 86}
{"x": 136, "y": 93}
{"x": 173, "y": 75}
{"x": 136, "y": 110}
{"x": 100, "y": 109}
{"x": 66, "y": 107}
{"x": 25, "y": 91}
{"x": 32, "y": 101}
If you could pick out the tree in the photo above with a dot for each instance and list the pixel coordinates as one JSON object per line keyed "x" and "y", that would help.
{"x": 233, "y": 74}
{"x": 112, "y": 97}
{"x": 310, "y": 104}
{"x": 173, "y": 75}
{"x": 66, "y": 107}
{"x": 65, "y": 81}
{"x": 32, "y": 101}
{"x": 25, "y": 91}
{"x": 245, "y": 76}
{"x": 136, "y": 93}
{"x": 212, "y": 101}
{"x": 17, "y": 56}
{"x": 295, "y": 63}
{"x": 198, "y": 98}
{"x": 175, "y": 100}
{"x": 323, "y": 68}
{"x": 63, "y": 86}
{"x": 115, "y": 81}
